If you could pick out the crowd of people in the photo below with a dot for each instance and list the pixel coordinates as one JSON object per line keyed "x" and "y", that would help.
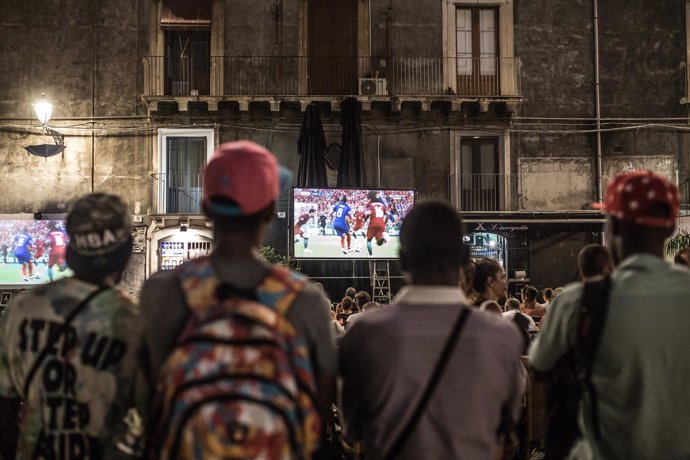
{"x": 230, "y": 357}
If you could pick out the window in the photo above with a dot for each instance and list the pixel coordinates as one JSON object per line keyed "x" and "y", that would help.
{"x": 183, "y": 155}
{"x": 332, "y": 42}
{"x": 481, "y": 178}
{"x": 479, "y": 174}
{"x": 478, "y": 47}
{"x": 187, "y": 31}
{"x": 335, "y": 37}
{"x": 477, "y": 52}
{"x": 182, "y": 41}
{"x": 187, "y": 62}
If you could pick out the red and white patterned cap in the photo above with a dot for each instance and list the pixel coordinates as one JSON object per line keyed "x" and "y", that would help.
{"x": 630, "y": 195}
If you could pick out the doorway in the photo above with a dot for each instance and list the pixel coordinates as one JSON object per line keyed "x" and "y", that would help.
{"x": 332, "y": 47}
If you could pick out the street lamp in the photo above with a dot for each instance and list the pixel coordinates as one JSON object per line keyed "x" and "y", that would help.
{"x": 44, "y": 110}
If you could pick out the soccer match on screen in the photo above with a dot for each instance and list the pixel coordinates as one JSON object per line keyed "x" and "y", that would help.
{"x": 348, "y": 223}
{"x": 32, "y": 252}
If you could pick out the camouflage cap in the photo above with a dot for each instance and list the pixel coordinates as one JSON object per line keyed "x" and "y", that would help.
{"x": 98, "y": 224}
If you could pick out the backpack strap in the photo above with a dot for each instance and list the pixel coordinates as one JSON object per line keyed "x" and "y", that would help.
{"x": 280, "y": 289}
{"x": 431, "y": 385}
{"x": 593, "y": 312}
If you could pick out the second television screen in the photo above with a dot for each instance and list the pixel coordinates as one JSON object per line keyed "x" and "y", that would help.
{"x": 348, "y": 223}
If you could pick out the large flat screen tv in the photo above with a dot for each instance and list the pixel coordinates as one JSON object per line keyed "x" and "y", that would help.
{"x": 31, "y": 252}
{"x": 330, "y": 223}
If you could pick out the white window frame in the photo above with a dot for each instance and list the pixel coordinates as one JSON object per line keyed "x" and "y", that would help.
{"x": 508, "y": 72}
{"x": 163, "y": 135}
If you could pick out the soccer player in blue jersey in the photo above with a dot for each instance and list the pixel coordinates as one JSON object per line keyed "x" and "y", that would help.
{"x": 341, "y": 223}
{"x": 22, "y": 252}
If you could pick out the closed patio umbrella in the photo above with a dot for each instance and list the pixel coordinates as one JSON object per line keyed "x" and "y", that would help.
{"x": 311, "y": 147}
{"x": 351, "y": 169}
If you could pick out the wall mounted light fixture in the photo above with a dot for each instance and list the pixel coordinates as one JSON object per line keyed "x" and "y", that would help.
{"x": 44, "y": 110}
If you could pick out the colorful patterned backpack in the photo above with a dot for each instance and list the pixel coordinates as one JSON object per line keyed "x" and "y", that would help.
{"x": 239, "y": 383}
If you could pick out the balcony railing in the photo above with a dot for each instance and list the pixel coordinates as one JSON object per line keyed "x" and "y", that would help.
{"x": 303, "y": 75}
{"x": 684, "y": 189}
{"x": 176, "y": 193}
{"x": 484, "y": 192}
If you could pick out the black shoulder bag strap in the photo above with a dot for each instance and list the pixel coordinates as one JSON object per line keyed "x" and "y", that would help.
{"x": 593, "y": 310}
{"x": 431, "y": 385}
{"x": 68, "y": 320}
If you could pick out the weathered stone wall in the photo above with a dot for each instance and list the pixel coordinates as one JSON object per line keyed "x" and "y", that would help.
{"x": 88, "y": 64}
{"x": 555, "y": 42}
{"x": 416, "y": 27}
{"x": 250, "y": 29}
{"x": 557, "y": 183}
{"x": 642, "y": 50}
{"x": 642, "y": 54}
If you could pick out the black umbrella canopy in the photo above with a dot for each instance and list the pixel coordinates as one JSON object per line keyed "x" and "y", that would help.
{"x": 311, "y": 147}
{"x": 351, "y": 169}
{"x": 44, "y": 150}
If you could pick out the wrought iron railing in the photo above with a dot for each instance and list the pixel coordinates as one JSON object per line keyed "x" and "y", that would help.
{"x": 304, "y": 75}
{"x": 176, "y": 192}
{"x": 484, "y": 192}
{"x": 684, "y": 189}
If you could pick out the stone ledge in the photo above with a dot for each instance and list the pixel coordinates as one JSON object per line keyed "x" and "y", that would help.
{"x": 185, "y": 103}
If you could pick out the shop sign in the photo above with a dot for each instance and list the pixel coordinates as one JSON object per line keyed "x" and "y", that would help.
{"x": 139, "y": 240}
{"x": 496, "y": 227}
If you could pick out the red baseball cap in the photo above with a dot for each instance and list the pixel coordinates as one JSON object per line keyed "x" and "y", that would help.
{"x": 630, "y": 195}
{"x": 245, "y": 173}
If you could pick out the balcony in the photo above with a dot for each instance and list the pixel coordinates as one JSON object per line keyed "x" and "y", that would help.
{"x": 176, "y": 193}
{"x": 304, "y": 79}
{"x": 484, "y": 192}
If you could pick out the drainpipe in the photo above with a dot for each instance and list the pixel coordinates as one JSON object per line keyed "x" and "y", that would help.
{"x": 389, "y": 21}
{"x": 597, "y": 103}
{"x": 93, "y": 97}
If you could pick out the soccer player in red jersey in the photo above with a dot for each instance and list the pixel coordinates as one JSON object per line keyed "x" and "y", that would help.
{"x": 39, "y": 249}
{"x": 301, "y": 221}
{"x": 377, "y": 213}
{"x": 358, "y": 227}
{"x": 39, "y": 252}
{"x": 58, "y": 244}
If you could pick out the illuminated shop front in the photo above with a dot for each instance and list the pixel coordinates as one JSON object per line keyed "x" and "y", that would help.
{"x": 534, "y": 248}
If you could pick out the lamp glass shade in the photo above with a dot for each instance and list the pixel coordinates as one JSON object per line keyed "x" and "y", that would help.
{"x": 43, "y": 111}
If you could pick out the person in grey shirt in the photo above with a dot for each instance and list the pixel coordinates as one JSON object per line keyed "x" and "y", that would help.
{"x": 636, "y": 406}
{"x": 388, "y": 355}
{"x": 241, "y": 183}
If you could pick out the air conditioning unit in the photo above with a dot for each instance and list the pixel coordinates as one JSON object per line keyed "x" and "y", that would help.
{"x": 373, "y": 87}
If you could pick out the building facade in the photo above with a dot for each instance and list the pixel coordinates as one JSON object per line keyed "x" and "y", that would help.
{"x": 516, "y": 112}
